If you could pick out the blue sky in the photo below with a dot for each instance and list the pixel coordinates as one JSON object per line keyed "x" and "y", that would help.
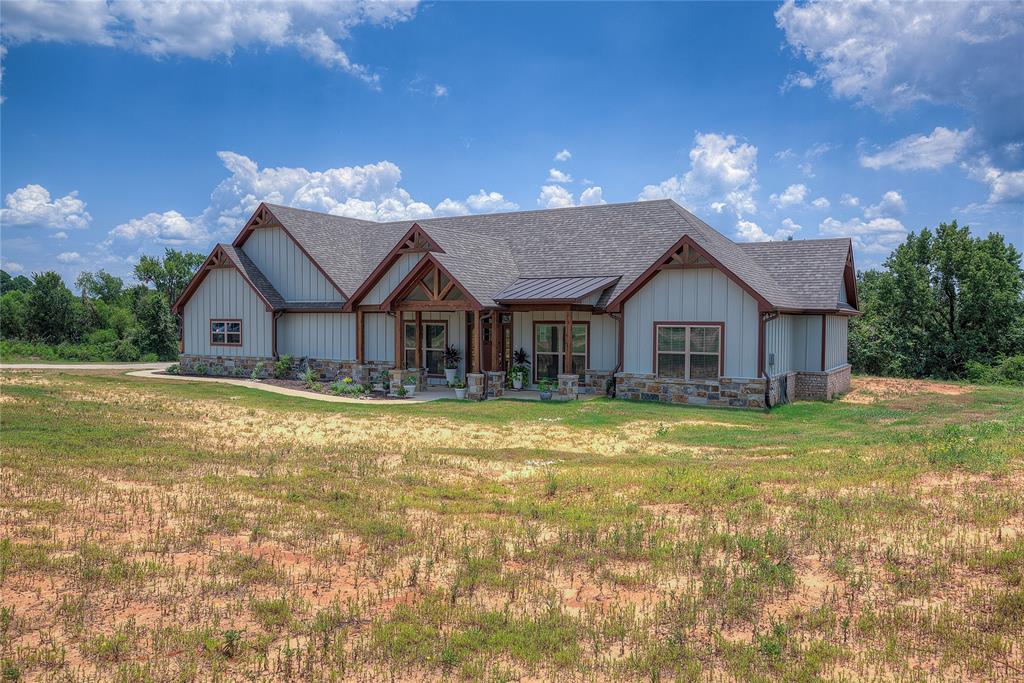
{"x": 127, "y": 128}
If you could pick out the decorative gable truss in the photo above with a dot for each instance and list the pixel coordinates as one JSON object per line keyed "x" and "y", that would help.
{"x": 417, "y": 241}
{"x": 219, "y": 258}
{"x": 429, "y": 286}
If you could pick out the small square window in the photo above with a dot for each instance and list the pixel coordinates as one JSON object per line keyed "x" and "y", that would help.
{"x": 226, "y": 332}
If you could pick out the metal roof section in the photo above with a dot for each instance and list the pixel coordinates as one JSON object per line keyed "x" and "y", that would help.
{"x": 554, "y": 289}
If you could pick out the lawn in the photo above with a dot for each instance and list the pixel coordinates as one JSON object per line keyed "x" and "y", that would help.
{"x": 167, "y": 530}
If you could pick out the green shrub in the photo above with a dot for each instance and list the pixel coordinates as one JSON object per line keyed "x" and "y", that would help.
{"x": 199, "y": 368}
{"x": 127, "y": 351}
{"x": 310, "y": 379}
{"x": 150, "y": 357}
{"x": 282, "y": 366}
{"x": 101, "y": 336}
{"x": 173, "y": 369}
{"x": 1006, "y": 370}
{"x": 259, "y": 370}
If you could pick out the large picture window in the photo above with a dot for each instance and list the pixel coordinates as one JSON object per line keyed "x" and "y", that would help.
{"x": 688, "y": 350}
{"x": 226, "y": 332}
{"x": 549, "y": 349}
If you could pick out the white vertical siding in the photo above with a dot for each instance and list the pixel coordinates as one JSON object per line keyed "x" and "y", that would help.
{"x": 224, "y": 294}
{"x": 836, "y": 340}
{"x": 293, "y": 275}
{"x": 806, "y": 342}
{"x": 778, "y": 340}
{"x": 331, "y": 336}
{"x": 693, "y": 294}
{"x": 391, "y": 278}
{"x": 379, "y": 340}
{"x": 604, "y": 335}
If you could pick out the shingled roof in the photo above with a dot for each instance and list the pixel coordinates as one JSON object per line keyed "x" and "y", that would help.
{"x": 618, "y": 242}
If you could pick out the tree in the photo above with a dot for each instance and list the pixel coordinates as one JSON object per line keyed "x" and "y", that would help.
{"x": 14, "y": 315}
{"x": 157, "y": 329}
{"x": 170, "y": 275}
{"x": 52, "y": 314}
{"x": 944, "y": 299}
{"x": 101, "y": 285}
{"x": 8, "y": 283}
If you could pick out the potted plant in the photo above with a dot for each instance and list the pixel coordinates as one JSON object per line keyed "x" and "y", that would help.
{"x": 400, "y": 392}
{"x": 452, "y": 358}
{"x": 409, "y": 384}
{"x": 380, "y": 380}
{"x": 459, "y": 385}
{"x": 520, "y": 367}
{"x": 545, "y": 386}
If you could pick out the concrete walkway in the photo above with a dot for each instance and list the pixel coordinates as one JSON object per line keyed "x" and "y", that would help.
{"x": 85, "y": 366}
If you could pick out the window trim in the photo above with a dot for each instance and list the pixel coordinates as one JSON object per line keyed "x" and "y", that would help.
{"x": 533, "y": 344}
{"x": 689, "y": 323}
{"x": 225, "y": 342}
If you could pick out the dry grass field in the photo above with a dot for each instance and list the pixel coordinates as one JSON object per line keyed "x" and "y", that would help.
{"x": 175, "y": 531}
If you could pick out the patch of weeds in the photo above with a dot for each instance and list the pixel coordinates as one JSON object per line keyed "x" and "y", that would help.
{"x": 272, "y": 614}
{"x": 246, "y": 569}
{"x": 968, "y": 448}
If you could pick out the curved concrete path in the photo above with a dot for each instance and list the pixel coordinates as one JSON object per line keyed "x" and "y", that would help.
{"x": 420, "y": 397}
{"x": 85, "y": 366}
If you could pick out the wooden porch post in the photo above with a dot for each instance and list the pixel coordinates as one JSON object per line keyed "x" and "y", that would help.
{"x": 419, "y": 339}
{"x": 567, "y": 356}
{"x": 494, "y": 340}
{"x": 399, "y": 341}
{"x": 360, "y": 341}
{"x": 477, "y": 341}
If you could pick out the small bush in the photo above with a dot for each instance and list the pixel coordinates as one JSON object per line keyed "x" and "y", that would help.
{"x": 199, "y": 368}
{"x": 1006, "y": 370}
{"x": 282, "y": 366}
{"x": 150, "y": 358}
{"x": 127, "y": 351}
{"x": 310, "y": 379}
{"x": 259, "y": 370}
{"x": 173, "y": 369}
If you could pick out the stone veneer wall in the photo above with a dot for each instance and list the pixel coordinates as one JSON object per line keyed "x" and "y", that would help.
{"x": 594, "y": 381}
{"x": 823, "y": 386}
{"x": 725, "y": 391}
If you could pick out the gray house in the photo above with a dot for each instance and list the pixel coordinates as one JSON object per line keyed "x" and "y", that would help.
{"x": 642, "y": 296}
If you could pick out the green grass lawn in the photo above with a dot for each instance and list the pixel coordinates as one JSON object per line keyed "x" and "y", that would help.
{"x": 167, "y": 530}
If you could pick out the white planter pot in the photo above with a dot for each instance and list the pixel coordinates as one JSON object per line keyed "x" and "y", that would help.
{"x": 545, "y": 395}
{"x": 378, "y": 387}
{"x": 460, "y": 393}
{"x": 410, "y": 390}
{"x": 517, "y": 382}
{"x": 449, "y": 374}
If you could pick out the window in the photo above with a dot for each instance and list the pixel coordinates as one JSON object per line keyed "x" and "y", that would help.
{"x": 548, "y": 349}
{"x": 688, "y": 351}
{"x": 434, "y": 340}
{"x": 226, "y": 332}
{"x": 435, "y": 337}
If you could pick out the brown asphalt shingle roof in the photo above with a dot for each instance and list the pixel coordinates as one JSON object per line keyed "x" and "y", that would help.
{"x": 489, "y": 253}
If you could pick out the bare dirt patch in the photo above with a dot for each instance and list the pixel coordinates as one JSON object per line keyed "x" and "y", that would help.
{"x": 872, "y": 389}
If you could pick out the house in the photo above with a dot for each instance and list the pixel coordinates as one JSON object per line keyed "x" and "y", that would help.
{"x": 641, "y": 295}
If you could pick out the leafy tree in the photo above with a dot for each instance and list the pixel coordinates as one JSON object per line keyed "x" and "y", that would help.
{"x": 169, "y": 275}
{"x": 157, "y": 329}
{"x": 8, "y": 283}
{"x": 944, "y": 299}
{"x": 101, "y": 285}
{"x": 14, "y": 315}
{"x": 53, "y": 312}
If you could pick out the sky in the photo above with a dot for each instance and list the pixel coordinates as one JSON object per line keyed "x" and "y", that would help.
{"x": 127, "y": 128}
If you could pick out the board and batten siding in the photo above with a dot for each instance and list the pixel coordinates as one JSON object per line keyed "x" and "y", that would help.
{"x": 779, "y": 345}
{"x": 224, "y": 294}
{"x": 391, "y": 278}
{"x": 603, "y": 339}
{"x": 379, "y": 337}
{"x": 836, "y": 340}
{"x": 328, "y": 336}
{"x": 293, "y": 275}
{"x": 692, "y": 294}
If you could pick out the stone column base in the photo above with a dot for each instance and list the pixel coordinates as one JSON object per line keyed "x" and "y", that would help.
{"x": 568, "y": 387}
{"x": 495, "y": 383}
{"x": 474, "y": 386}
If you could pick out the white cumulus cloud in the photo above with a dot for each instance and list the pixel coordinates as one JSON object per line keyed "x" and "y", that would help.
{"x": 749, "y": 231}
{"x": 821, "y": 203}
{"x": 205, "y": 29}
{"x": 1004, "y": 186}
{"x": 875, "y": 236}
{"x": 942, "y": 147}
{"x": 69, "y": 257}
{"x": 794, "y": 194}
{"x": 564, "y": 155}
{"x": 591, "y": 196}
{"x": 555, "y": 197}
{"x": 557, "y": 176}
{"x": 169, "y": 228}
{"x": 891, "y": 204}
{"x": 489, "y": 202}
{"x": 32, "y": 205}
{"x": 722, "y": 170}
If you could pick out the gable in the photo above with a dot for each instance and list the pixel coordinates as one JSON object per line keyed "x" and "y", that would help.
{"x": 287, "y": 267}
{"x": 391, "y": 278}
{"x": 430, "y": 286}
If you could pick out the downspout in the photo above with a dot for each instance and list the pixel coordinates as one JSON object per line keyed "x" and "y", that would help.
{"x": 618, "y": 368}
{"x": 273, "y": 333}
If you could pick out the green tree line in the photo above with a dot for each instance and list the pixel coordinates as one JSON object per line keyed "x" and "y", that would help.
{"x": 944, "y": 304}
{"x": 41, "y": 317}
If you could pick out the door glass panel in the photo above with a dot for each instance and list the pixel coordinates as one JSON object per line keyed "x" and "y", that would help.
{"x": 434, "y": 336}
{"x": 548, "y": 365}
{"x": 549, "y": 338}
{"x": 579, "y": 364}
{"x": 579, "y": 339}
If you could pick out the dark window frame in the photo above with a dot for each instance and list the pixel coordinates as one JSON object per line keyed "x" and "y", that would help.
{"x": 226, "y": 321}
{"x": 533, "y": 342}
{"x": 686, "y": 354}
